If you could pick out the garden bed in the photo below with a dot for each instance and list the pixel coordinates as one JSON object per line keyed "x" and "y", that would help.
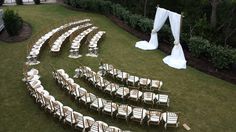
{"x": 24, "y": 34}
{"x": 165, "y": 46}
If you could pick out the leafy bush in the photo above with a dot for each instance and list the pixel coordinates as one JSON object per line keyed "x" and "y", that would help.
{"x": 199, "y": 46}
{"x": 165, "y": 33}
{"x": 221, "y": 57}
{"x": 105, "y": 7}
{"x": 134, "y": 20}
{"x": 82, "y": 4}
{"x": 145, "y": 25}
{"x": 19, "y": 2}
{"x": 37, "y": 2}
{"x": 71, "y": 2}
{"x": 12, "y": 22}
{"x": 1, "y": 2}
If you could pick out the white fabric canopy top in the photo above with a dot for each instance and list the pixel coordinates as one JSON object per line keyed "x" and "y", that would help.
{"x": 176, "y": 59}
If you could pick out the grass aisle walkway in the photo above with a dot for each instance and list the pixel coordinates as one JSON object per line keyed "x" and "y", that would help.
{"x": 206, "y": 103}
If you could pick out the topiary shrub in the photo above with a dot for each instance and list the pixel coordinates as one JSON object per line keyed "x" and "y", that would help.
{"x": 12, "y": 22}
{"x": 19, "y": 2}
{"x": 36, "y": 2}
{"x": 1, "y": 2}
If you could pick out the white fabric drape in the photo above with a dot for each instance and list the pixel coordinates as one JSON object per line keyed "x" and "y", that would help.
{"x": 160, "y": 18}
{"x": 176, "y": 59}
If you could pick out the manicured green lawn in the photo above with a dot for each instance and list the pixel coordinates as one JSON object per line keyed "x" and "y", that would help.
{"x": 205, "y": 102}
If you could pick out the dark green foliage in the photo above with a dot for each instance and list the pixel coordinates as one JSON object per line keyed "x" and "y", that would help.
{"x": 12, "y": 22}
{"x": 145, "y": 25}
{"x": 134, "y": 20}
{"x": 199, "y": 46}
{"x": 195, "y": 24}
{"x": 19, "y": 2}
{"x": 71, "y": 2}
{"x": 105, "y": 7}
{"x": 37, "y": 2}
{"x": 165, "y": 33}
{"x": 1, "y": 2}
{"x": 221, "y": 57}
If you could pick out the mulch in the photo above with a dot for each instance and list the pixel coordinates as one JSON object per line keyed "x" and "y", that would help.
{"x": 24, "y": 34}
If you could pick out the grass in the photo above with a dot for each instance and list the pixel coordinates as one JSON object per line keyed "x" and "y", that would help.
{"x": 205, "y": 102}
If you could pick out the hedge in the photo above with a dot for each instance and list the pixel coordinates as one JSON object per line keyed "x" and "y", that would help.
{"x": 221, "y": 57}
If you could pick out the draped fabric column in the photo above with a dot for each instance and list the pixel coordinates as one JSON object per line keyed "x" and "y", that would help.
{"x": 160, "y": 18}
{"x": 177, "y": 58}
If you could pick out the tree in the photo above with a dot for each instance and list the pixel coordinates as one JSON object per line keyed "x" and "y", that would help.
{"x": 214, "y": 4}
{"x": 145, "y": 8}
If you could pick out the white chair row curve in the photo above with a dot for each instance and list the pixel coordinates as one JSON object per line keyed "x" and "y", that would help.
{"x": 32, "y": 58}
{"x": 123, "y": 111}
{"x": 128, "y": 79}
{"x": 76, "y": 43}
{"x": 55, "y": 48}
{"x": 113, "y": 89}
{"x": 79, "y": 121}
{"x": 93, "y": 44}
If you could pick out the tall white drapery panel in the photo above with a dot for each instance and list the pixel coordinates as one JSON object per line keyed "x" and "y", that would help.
{"x": 177, "y": 58}
{"x": 160, "y": 19}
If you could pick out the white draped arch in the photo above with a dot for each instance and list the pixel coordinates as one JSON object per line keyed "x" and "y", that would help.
{"x": 177, "y": 58}
{"x": 160, "y": 19}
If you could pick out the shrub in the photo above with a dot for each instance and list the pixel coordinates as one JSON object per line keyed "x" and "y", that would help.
{"x": 1, "y": 2}
{"x": 82, "y": 4}
{"x": 71, "y": 2}
{"x": 221, "y": 57}
{"x": 165, "y": 33}
{"x": 134, "y": 20}
{"x": 105, "y": 7}
{"x": 199, "y": 46}
{"x": 37, "y": 2}
{"x": 19, "y": 2}
{"x": 12, "y": 22}
{"x": 68, "y": 2}
{"x": 145, "y": 25}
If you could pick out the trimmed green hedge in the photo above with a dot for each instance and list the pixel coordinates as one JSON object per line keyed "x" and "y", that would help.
{"x": 107, "y": 7}
{"x": 221, "y": 57}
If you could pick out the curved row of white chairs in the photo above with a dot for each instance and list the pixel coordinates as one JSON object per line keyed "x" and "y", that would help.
{"x": 93, "y": 44}
{"x": 32, "y": 58}
{"x": 129, "y": 79}
{"x": 147, "y": 97}
{"x": 75, "y": 46}
{"x": 60, "y": 40}
{"x": 123, "y": 111}
{"x": 65, "y": 113}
